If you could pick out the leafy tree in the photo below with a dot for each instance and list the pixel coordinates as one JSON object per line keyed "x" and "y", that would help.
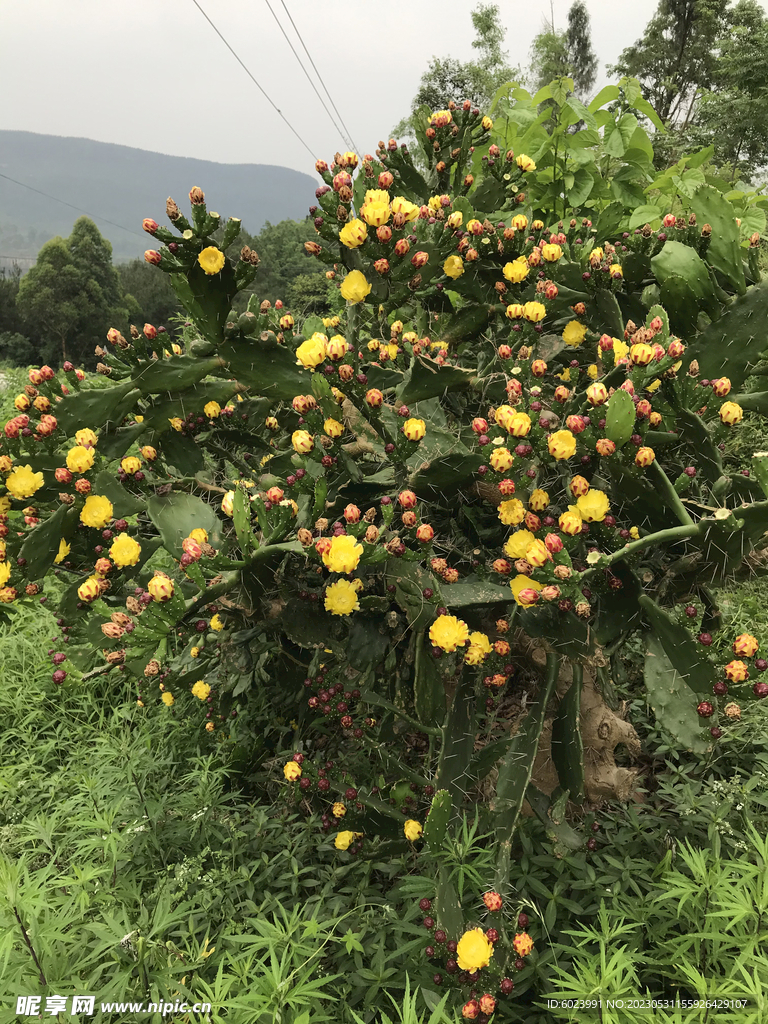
{"x": 72, "y": 294}
{"x": 308, "y": 293}
{"x": 581, "y": 56}
{"x": 448, "y": 78}
{"x": 733, "y": 115}
{"x": 10, "y": 321}
{"x": 569, "y": 54}
{"x": 281, "y": 249}
{"x": 16, "y": 348}
{"x": 148, "y": 295}
{"x": 549, "y": 58}
{"x": 675, "y": 58}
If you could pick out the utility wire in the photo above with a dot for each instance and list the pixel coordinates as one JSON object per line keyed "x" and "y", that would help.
{"x": 32, "y": 259}
{"x": 346, "y": 137}
{"x": 65, "y": 203}
{"x": 320, "y": 77}
{"x": 259, "y": 87}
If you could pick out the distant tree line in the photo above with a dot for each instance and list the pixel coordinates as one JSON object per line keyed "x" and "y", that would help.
{"x": 62, "y": 308}
{"x": 702, "y": 64}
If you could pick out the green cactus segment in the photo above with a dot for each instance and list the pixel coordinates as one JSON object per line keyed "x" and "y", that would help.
{"x": 469, "y": 322}
{"x": 273, "y": 373}
{"x": 428, "y": 689}
{"x": 321, "y": 389}
{"x": 683, "y": 652}
{"x": 458, "y": 742}
{"x": 437, "y": 820}
{"x": 447, "y": 907}
{"x": 693, "y": 432}
{"x": 610, "y": 313}
{"x": 672, "y": 699}
{"x": 42, "y": 544}
{"x": 620, "y": 417}
{"x": 724, "y": 252}
{"x": 96, "y": 408}
{"x": 564, "y": 839}
{"x": 661, "y": 313}
{"x": 445, "y": 474}
{"x": 684, "y": 276}
{"x": 517, "y": 767}
{"x": 207, "y": 299}
{"x": 174, "y": 373}
{"x": 760, "y": 470}
{"x": 424, "y": 379}
{"x": 732, "y": 346}
{"x": 680, "y": 298}
{"x": 410, "y": 580}
{"x": 241, "y": 519}
{"x": 755, "y": 401}
{"x": 567, "y": 746}
{"x": 462, "y": 595}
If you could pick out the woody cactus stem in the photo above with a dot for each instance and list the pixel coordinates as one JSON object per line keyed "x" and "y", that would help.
{"x": 458, "y": 739}
{"x": 516, "y": 770}
{"x": 353, "y": 325}
{"x": 567, "y": 746}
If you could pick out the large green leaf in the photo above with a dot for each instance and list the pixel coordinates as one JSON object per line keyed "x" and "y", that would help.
{"x": 724, "y": 252}
{"x": 583, "y": 182}
{"x": 644, "y": 215}
{"x": 618, "y": 137}
{"x": 176, "y": 515}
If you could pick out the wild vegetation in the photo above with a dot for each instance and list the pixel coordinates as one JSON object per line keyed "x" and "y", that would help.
{"x": 402, "y": 658}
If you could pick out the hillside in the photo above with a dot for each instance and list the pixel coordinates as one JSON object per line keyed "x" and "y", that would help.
{"x": 124, "y": 185}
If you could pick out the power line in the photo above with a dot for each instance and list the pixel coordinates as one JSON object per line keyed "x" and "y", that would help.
{"x": 65, "y": 203}
{"x": 32, "y": 259}
{"x": 346, "y": 137}
{"x": 261, "y": 90}
{"x": 320, "y": 77}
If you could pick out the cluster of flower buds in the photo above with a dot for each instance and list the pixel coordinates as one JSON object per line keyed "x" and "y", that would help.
{"x": 736, "y": 672}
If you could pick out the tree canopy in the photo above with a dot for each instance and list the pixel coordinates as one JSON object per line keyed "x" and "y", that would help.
{"x": 72, "y": 296}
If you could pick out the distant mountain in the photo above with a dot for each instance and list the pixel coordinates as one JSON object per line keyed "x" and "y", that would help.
{"x": 124, "y": 185}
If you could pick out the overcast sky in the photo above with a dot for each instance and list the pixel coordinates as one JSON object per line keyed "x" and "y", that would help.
{"x": 154, "y": 75}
